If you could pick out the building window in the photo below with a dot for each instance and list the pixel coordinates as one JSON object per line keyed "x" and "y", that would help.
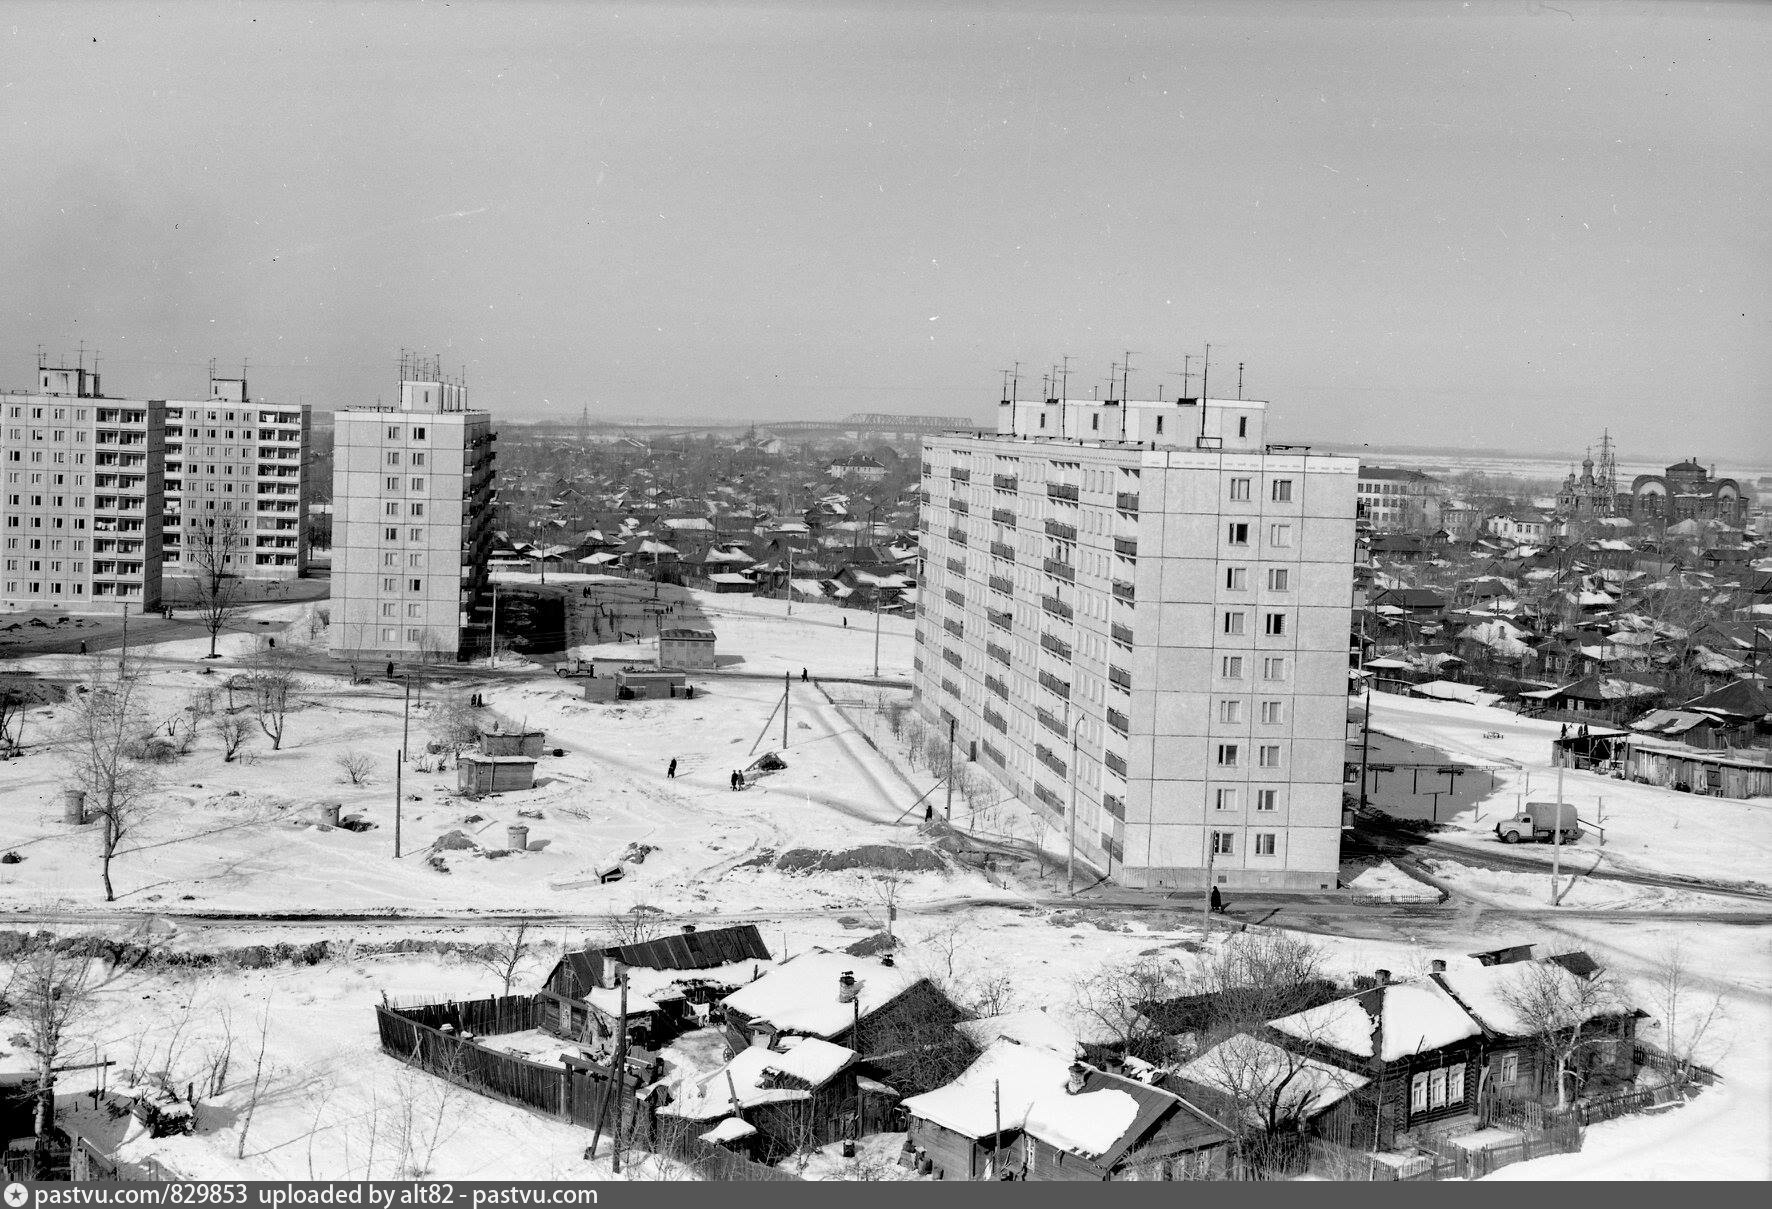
{"x": 392, "y": 535}
{"x": 393, "y": 482}
{"x": 418, "y": 457}
{"x": 1225, "y": 799}
{"x": 1270, "y": 755}
{"x": 393, "y": 458}
{"x": 389, "y": 610}
{"x": 1159, "y": 424}
{"x": 418, "y": 510}
{"x": 1231, "y": 667}
{"x": 418, "y": 484}
{"x": 412, "y": 634}
{"x": 393, "y": 432}
{"x": 1230, "y": 711}
{"x": 1227, "y": 755}
{"x": 391, "y": 508}
{"x": 1273, "y": 668}
{"x": 1279, "y": 536}
{"x": 418, "y": 434}
{"x": 1282, "y": 491}
{"x": 1418, "y": 1093}
{"x": 418, "y": 585}
{"x": 414, "y": 610}
{"x": 1239, "y": 489}
{"x": 1279, "y": 579}
{"x": 1242, "y": 426}
{"x": 1276, "y": 624}
{"x": 1265, "y": 799}
{"x": 1510, "y": 1068}
{"x": 1236, "y": 579}
{"x": 390, "y": 634}
{"x": 1221, "y": 843}
{"x": 1233, "y": 623}
{"x": 1238, "y": 533}
{"x": 1273, "y": 712}
{"x": 1264, "y": 843}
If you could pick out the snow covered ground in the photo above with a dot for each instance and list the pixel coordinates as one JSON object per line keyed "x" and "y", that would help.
{"x": 1648, "y": 829}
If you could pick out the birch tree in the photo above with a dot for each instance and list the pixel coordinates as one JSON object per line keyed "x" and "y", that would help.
{"x": 213, "y": 548}
{"x": 1558, "y": 1010}
{"x": 99, "y": 744}
{"x": 50, "y": 994}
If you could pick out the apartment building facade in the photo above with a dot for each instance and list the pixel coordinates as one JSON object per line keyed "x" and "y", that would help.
{"x": 1393, "y": 499}
{"x": 235, "y": 479}
{"x": 1136, "y": 616}
{"x": 80, "y": 515}
{"x": 412, "y": 526}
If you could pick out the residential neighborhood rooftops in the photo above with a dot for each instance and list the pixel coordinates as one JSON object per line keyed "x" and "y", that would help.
{"x": 1397, "y": 1019}
{"x": 801, "y": 994}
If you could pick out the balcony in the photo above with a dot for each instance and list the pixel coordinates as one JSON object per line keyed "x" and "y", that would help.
{"x": 1119, "y": 721}
{"x": 996, "y": 722}
{"x": 1003, "y": 550}
{"x": 1127, "y": 546}
{"x": 996, "y": 686}
{"x": 951, "y": 655}
{"x": 1057, "y": 646}
{"x": 927, "y": 469}
{"x": 950, "y": 688}
{"x": 960, "y": 506}
{"x": 1127, "y": 501}
{"x": 999, "y": 654}
{"x": 1061, "y": 491}
{"x": 957, "y": 536}
{"x": 1056, "y": 607}
{"x": 957, "y": 566}
{"x": 1005, "y": 482}
{"x": 1001, "y": 620}
{"x": 1114, "y": 805}
{"x": 954, "y": 628}
{"x": 1054, "y": 685}
{"x": 1053, "y": 801}
{"x": 1046, "y": 756}
{"x": 1003, "y": 516}
{"x": 1121, "y": 634}
{"x": 959, "y": 475}
{"x": 1116, "y": 762}
{"x": 1119, "y": 677}
{"x": 1062, "y": 531}
{"x": 1051, "y": 722}
{"x": 1123, "y": 591}
{"x": 923, "y": 498}
{"x": 953, "y": 597}
{"x": 1114, "y": 849}
{"x": 1003, "y": 584}
{"x": 1063, "y": 570}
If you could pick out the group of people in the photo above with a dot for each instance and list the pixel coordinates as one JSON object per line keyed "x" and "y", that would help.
{"x": 736, "y": 780}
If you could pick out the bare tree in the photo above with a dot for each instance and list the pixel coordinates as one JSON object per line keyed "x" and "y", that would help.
{"x": 100, "y": 744}
{"x": 1254, "y": 977}
{"x": 256, "y": 1093}
{"x": 453, "y": 726}
{"x": 356, "y": 766}
{"x": 1688, "y": 1016}
{"x": 631, "y": 927}
{"x": 233, "y": 730}
{"x": 12, "y": 720}
{"x": 273, "y": 684}
{"x": 214, "y": 548}
{"x": 505, "y": 955}
{"x": 50, "y": 994}
{"x": 1559, "y": 1011}
{"x": 1117, "y": 995}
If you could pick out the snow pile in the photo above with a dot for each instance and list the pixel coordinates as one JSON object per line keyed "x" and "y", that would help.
{"x": 1390, "y": 883}
{"x": 1088, "y": 1123}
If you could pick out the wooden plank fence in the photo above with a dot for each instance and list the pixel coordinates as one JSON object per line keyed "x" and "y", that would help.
{"x": 681, "y": 1140}
{"x": 488, "y": 1071}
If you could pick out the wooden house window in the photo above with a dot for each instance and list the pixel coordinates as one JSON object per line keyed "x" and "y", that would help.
{"x": 1510, "y": 1068}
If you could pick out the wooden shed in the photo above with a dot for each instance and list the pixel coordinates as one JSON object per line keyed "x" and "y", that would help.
{"x": 1694, "y": 770}
{"x": 686, "y": 648}
{"x": 633, "y": 684}
{"x": 496, "y": 741}
{"x": 478, "y": 774}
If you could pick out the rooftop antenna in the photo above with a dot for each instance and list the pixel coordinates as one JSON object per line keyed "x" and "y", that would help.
{"x": 80, "y": 363}
{"x": 1184, "y": 374}
{"x": 1126, "y": 377}
{"x": 1113, "y": 374}
{"x": 1205, "y": 374}
{"x": 1239, "y": 380}
{"x": 1064, "y": 382}
{"x": 39, "y": 354}
{"x": 1015, "y": 384}
{"x": 1005, "y": 374}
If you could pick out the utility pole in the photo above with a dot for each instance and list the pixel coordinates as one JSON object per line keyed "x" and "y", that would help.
{"x": 1557, "y": 839}
{"x": 952, "y": 724}
{"x": 618, "y": 1083}
{"x": 790, "y": 592}
{"x": 876, "y": 634}
{"x": 492, "y": 653}
{"x": 1365, "y": 734}
{"x": 1206, "y": 899}
{"x": 1070, "y": 817}
{"x": 787, "y": 687}
{"x": 406, "y": 720}
{"x": 399, "y": 765}
{"x": 123, "y": 652}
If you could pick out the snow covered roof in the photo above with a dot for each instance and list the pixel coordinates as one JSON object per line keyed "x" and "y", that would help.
{"x": 800, "y": 995}
{"x": 1451, "y": 690}
{"x": 1007, "y": 1074}
{"x": 730, "y": 1129}
{"x": 730, "y": 577}
{"x": 1241, "y": 1065}
{"x": 1484, "y": 990}
{"x": 1408, "y": 1017}
{"x": 1034, "y": 1028}
{"x": 1088, "y": 1123}
{"x": 741, "y": 1082}
{"x": 608, "y": 1001}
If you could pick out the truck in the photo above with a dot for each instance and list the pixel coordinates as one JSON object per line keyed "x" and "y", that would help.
{"x": 1541, "y": 821}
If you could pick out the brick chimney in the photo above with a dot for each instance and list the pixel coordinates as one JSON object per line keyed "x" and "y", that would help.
{"x": 847, "y": 987}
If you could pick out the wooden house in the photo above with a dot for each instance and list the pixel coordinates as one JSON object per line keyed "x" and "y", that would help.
{"x": 496, "y": 741}
{"x": 801, "y": 1096}
{"x": 1693, "y": 770}
{"x": 697, "y": 967}
{"x": 477, "y": 775}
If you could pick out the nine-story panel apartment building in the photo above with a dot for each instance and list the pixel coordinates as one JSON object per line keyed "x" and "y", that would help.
{"x": 83, "y": 495}
{"x": 412, "y": 528}
{"x": 1136, "y": 614}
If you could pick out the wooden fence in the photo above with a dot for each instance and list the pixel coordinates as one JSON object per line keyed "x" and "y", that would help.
{"x": 448, "y": 1056}
{"x": 681, "y": 1140}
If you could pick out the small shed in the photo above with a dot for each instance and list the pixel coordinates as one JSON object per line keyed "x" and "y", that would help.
{"x": 497, "y": 741}
{"x": 686, "y": 648}
{"x": 478, "y": 774}
{"x": 634, "y": 684}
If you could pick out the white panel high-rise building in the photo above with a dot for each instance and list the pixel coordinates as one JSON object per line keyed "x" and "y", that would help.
{"x": 80, "y": 516}
{"x": 1137, "y": 615}
{"x": 412, "y": 491}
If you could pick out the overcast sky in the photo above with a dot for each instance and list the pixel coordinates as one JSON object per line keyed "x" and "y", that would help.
{"x": 1473, "y": 224}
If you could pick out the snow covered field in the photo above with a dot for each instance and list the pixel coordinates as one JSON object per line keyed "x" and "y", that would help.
{"x": 243, "y": 837}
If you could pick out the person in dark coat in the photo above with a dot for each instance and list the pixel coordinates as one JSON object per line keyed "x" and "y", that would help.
{"x": 671, "y": 769}
{"x": 1217, "y": 902}
{"x": 390, "y": 669}
{"x": 802, "y": 675}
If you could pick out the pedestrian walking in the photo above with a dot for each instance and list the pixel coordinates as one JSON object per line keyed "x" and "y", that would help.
{"x": 846, "y": 623}
{"x": 734, "y": 780}
{"x": 802, "y": 675}
{"x": 1217, "y": 902}
{"x": 671, "y": 770}
{"x": 83, "y": 646}
{"x": 1565, "y": 733}
{"x": 390, "y": 669}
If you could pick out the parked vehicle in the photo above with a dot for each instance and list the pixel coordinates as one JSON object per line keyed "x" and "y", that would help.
{"x": 1541, "y": 821}
{"x": 576, "y": 667}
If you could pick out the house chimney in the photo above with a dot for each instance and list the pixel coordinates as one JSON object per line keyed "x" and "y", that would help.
{"x": 1074, "y": 1084}
{"x": 688, "y": 928}
{"x": 886, "y": 960}
{"x": 1438, "y": 965}
{"x": 1383, "y": 977}
{"x": 847, "y": 987}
